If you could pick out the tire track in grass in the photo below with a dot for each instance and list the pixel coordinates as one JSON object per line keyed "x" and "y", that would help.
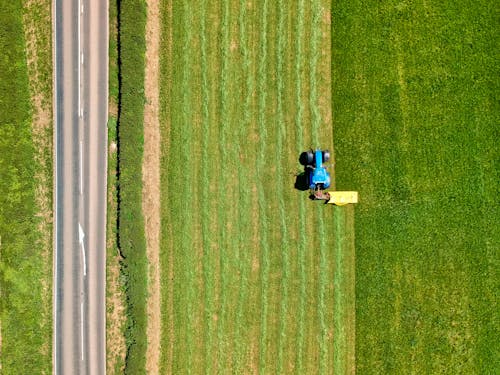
{"x": 279, "y": 176}
{"x": 262, "y": 75}
{"x": 244, "y": 203}
{"x": 300, "y": 145}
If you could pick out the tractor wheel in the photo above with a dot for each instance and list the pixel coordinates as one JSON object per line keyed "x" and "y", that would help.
{"x": 326, "y": 156}
{"x": 306, "y": 158}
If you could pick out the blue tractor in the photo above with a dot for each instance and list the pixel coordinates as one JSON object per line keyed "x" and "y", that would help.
{"x": 318, "y": 176}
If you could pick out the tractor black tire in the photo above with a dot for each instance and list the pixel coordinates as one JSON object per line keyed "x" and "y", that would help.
{"x": 326, "y": 156}
{"x": 306, "y": 158}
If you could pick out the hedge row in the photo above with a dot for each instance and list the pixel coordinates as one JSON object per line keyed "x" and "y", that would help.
{"x": 131, "y": 239}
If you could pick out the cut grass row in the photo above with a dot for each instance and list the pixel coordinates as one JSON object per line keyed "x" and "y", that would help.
{"x": 25, "y": 232}
{"x": 415, "y": 97}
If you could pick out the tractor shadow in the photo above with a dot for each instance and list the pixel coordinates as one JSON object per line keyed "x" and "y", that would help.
{"x": 302, "y": 181}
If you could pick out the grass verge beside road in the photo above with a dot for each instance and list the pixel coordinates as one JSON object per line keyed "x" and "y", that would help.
{"x": 25, "y": 188}
{"x": 415, "y": 102}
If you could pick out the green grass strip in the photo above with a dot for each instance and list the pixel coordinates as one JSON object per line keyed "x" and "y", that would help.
{"x": 208, "y": 269}
{"x": 244, "y": 208}
{"x": 223, "y": 195}
{"x": 313, "y": 72}
{"x": 262, "y": 77}
{"x": 188, "y": 260}
{"x": 285, "y": 248}
{"x": 300, "y": 144}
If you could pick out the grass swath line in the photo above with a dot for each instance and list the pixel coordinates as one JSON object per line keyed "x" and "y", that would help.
{"x": 206, "y": 232}
{"x": 222, "y": 212}
{"x": 244, "y": 195}
{"x": 187, "y": 215}
{"x": 279, "y": 174}
{"x": 300, "y": 145}
{"x": 323, "y": 269}
{"x": 262, "y": 75}
{"x": 313, "y": 73}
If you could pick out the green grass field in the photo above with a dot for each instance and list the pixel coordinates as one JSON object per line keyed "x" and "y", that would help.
{"x": 257, "y": 279}
{"x": 416, "y": 114}
{"x": 250, "y": 279}
{"x": 25, "y": 275}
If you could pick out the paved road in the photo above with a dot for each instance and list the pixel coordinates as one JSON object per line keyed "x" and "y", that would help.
{"x": 80, "y": 137}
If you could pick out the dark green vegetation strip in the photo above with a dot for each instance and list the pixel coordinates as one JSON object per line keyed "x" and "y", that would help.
{"x": 25, "y": 337}
{"x": 131, "y": 240}
{"x": 115, "y": 285}
{"x": 248, "y": 260}
{"x": 416, "y": 108}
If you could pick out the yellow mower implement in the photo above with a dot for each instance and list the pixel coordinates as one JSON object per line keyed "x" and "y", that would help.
{"x": 341, "y": 198}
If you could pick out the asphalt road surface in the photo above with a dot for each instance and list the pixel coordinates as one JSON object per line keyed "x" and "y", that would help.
{"x": 80, "y": 138}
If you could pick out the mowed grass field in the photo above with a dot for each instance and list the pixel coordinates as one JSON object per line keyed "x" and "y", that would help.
{"x": 255, "y": 277}
{"x": 416, "y": 126}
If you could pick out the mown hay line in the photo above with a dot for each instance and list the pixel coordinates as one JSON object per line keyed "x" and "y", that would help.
{"x": 313, "y": 76}
{"x": 280, "y": 186}
{"x": 302, "y": 234}
{"x": 323, "y": 281}
{"x": 260, "y": 165}
{"x": 167, "y": 242}
{"x": 222, "y": 348}
{"x": 186, "y": 140}
{"x": 207, "y": 240}
{"x": 245, "y": 206}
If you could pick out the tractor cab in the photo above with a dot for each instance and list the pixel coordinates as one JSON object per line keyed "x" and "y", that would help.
{"x": 318, "y": 176}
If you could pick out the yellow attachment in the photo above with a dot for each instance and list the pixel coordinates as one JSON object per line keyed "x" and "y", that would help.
{"x": 341, "y": 198}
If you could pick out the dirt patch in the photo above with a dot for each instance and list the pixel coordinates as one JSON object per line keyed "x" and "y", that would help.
{"x": 151, "y": 184}
{"x": 115, "y": 315}
{"x": 37, "y": 25}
